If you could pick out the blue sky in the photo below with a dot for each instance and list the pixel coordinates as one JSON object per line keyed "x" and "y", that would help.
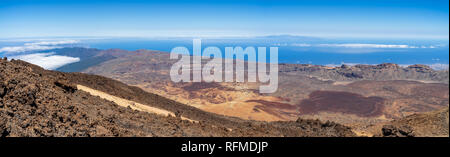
{"x": 323, "y": 18}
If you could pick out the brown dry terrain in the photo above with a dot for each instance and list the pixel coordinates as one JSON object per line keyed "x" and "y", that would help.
{"x": 359, "y": 96}
{"x": 38, "y": 102}
{"x": 343, "y": 102}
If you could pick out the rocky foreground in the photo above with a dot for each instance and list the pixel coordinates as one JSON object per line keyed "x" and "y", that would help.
{"x": 431, "y": 124}
{"x": 38, "y": 103}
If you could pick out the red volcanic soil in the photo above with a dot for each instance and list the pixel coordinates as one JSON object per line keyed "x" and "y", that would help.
{"x": 344, "y": 102}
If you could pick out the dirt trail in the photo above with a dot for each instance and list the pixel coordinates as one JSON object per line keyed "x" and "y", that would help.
{"x": 128, "y": 103}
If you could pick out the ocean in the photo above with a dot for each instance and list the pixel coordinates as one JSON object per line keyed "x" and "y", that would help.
{"x": 291, "y": 49}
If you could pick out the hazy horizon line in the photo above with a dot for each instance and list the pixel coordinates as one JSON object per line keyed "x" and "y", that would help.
{"x": 224, "y": 36}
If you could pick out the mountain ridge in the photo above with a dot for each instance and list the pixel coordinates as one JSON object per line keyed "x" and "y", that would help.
{"x": 342, "y": 73}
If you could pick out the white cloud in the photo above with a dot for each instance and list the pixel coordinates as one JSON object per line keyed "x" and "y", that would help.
{"x": 25, "y": 48}
{"x": 47, "y": 60}
{"x": 358, "y": 45}
{"x": 49, "y": 43}
{"x": 364, "y": 46}
{"x": 439, "y": 66}
{"x": 301, "y": 45}
{"x": 41, "y": 45}
{"x": 279, "y": 44}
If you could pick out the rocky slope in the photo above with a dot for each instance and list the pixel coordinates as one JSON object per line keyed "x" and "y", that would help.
{"x": 37, "y": 102}
{"x": 431, "y": 124}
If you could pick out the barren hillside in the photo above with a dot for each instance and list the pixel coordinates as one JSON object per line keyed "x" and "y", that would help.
{"x": 37, "y": 102}
{"x": 358, "y": 96}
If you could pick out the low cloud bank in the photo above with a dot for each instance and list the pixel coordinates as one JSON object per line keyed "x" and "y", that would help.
{"x": 35, "y": 46}
{"x": 47, "y": 60}
{"x": 359, "y": 46}
{"x": 364, "y": 46}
